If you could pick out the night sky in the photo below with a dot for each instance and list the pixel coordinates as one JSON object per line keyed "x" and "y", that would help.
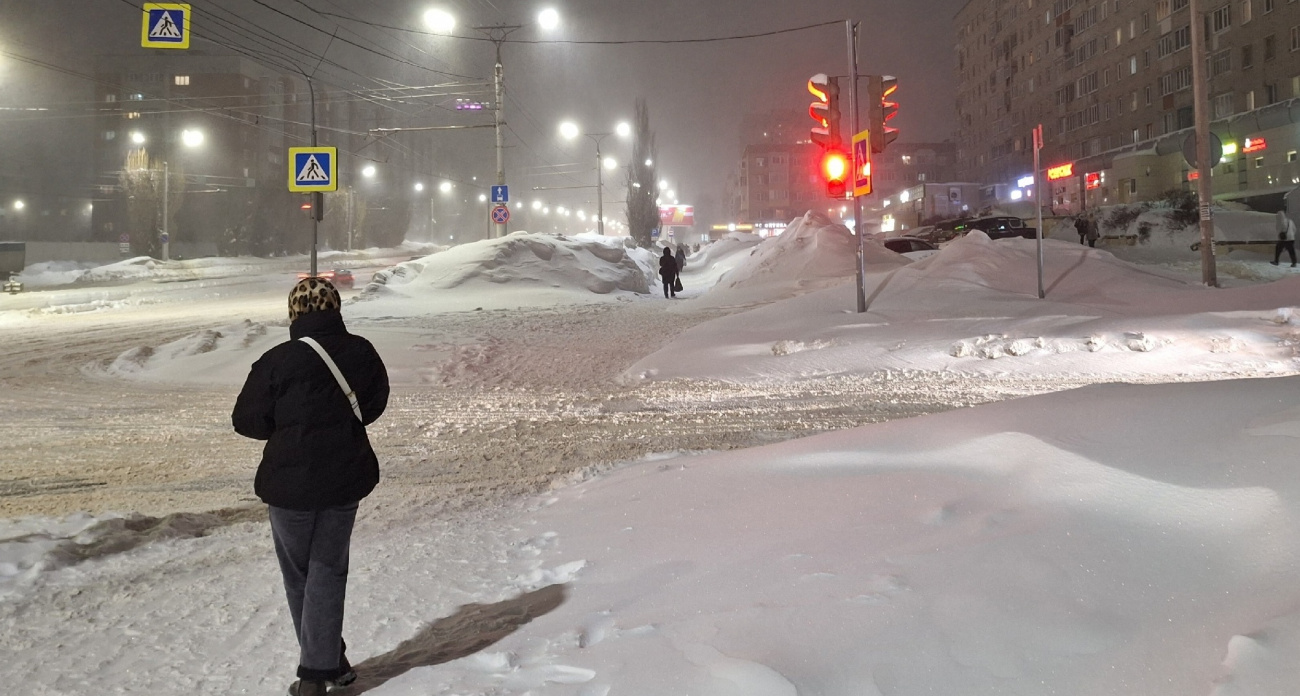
{"x": 697, "y": 93}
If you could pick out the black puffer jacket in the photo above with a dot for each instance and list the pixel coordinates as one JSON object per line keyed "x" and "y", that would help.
{"x": 667, "y": 267}
{"x": 317, "y": 454}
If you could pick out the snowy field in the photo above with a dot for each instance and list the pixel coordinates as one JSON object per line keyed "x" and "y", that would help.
{"x": 751, "y": 490}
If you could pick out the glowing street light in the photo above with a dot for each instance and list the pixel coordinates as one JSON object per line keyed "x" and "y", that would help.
{"x": 419, "y": 186}
{"x": 482, "y": 198}
{"x": 571, "y": 130}
{"x": 663, "y": 185}
{"x": 137, "y": 138}
{"x": 368, "y": 171}
{"x": 191, "y": 137}
{"x": 548, "y": 19}
{"x": 445, "y": 187}
{"x": 440, "y": 21}
{"x": 443, "y": 22}
{"x": 19, "y": 204}
{"x": 537, "y": 205}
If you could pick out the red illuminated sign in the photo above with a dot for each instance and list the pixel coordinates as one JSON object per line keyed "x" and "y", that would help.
{"x": 1092, "y": 180}
{"x": 1060, "y": 172}
{"x": 1193, "y": 175}
{"x": 677, "y": 215}
{"x": 1254, "y": 145}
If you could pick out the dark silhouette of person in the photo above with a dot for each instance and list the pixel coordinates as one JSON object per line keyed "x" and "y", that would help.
{"x": 668, "y": 271}
{"x": 1285, "y": 238}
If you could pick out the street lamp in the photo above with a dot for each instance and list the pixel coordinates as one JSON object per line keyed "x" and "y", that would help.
{"x": 137, "y": 138}
{"x": 419, "y": 187}
{"x": 368, "y": 171}
{"x": 191, "y": 137}
{"x": 570, "y": 130}
{"x": 445, "y": 187}
{"x": 443, "y": 22}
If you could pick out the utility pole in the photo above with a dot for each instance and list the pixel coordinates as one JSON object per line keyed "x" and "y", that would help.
{"x": 851, "y": 28}
{"x": 166, "y": 238}
{"x": 317, "y": 198}
{"x": 1204, "y": 186}
{"x": 497, "y": 35}
{"x": 600, "y": 198}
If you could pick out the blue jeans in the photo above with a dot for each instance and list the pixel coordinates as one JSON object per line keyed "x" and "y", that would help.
{"x": 312, "y": 547}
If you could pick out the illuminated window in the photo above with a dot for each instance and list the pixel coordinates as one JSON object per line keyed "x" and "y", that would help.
{"x": 182, "y": 80}
{"x": 132, "y": 115}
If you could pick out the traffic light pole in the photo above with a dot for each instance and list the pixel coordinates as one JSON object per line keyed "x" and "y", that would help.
{"x": 851, "y": 29}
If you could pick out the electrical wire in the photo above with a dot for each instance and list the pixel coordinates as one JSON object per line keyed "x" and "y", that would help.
{"x": 715, "y": 39}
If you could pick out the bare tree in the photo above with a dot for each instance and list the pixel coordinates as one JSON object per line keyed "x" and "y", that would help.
{"x": 642, "y": 184}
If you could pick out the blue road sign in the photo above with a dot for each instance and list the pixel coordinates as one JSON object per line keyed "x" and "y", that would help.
{"x": 313, "y": 169}
{"x": 500, "y": 194}
{"x": 500, "y": 215}
{"x": 166, "y": 25}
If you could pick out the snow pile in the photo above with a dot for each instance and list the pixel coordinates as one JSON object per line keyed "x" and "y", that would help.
{"x": 975, "y": 304}
{"x": 488, "y": 273}
{"x": 1095, "y": 550}
{"x": 208, "y": 356}
{"x": 811, "y": 254}
{"x": 52, "y": 273}
{"x": 723, "y": 251}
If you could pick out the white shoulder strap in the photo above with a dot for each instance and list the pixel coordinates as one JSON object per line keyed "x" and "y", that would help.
{"x": 352, "y": 396}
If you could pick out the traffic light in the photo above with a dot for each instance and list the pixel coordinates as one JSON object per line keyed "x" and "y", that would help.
{"x": 826, "y": 110}
{"x": 835, "y": 169}
{"x": 882, "y": 109}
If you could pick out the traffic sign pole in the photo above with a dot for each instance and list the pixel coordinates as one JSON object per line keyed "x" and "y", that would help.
{"x": 858, "y": 228}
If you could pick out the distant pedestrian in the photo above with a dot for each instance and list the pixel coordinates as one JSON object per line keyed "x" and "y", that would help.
{"x": 668, "y": 272}
{"x": 1093, "y": 233}
{"x": 1285, "y": 238}
{"x": 681, "y": 257}
{"x": 311, "y": 398}
{"x": 1081, "y": 226}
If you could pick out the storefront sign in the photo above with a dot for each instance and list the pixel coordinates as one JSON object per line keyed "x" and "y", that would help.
{"x": 1254, "y": 145}
{"x": 1092, "y": 180}
{"x": 1060, "y": 172}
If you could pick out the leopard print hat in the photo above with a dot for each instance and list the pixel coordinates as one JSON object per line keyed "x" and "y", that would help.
{"x": 312, "y": 295}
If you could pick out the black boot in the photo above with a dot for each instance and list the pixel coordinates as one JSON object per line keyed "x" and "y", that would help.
{"x": 308, "y": 687}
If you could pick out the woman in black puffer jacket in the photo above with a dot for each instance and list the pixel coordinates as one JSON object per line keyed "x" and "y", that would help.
{"x": 316, "y": 467}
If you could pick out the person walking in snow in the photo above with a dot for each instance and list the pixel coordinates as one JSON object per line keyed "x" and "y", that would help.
{"x": 1081, "y": 226}
{"x": 668, "y": 272}
{"x": 1285, "y": 238}
{"x": 681, "y": 257}
{"x": 1092, "y": 233}
{"x": 310, "y": 398}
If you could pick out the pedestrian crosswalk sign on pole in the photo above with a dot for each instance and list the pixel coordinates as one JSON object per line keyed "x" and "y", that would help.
{"x": 313, "y": 169}
{"x": 166, "y": 25}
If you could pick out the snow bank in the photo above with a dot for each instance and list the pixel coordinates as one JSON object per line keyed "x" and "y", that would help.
{"x": 489, "y": 274}
{"x": 974, "y": 308}
{"x": 811, "y": 254}
{"x": 212, "y": 356}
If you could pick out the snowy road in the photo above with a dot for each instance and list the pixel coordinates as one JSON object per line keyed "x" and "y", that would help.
{"x": 511, "y": 410}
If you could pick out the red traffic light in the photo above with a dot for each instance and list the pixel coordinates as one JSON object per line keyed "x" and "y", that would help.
{"x": 826, "y": 110}
{"x": 835, "y": 170}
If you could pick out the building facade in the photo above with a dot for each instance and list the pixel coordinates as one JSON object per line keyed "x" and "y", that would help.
{"x": 1110, "y": 83}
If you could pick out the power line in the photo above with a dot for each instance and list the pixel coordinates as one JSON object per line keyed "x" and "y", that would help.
{"x": 715, "y": 39}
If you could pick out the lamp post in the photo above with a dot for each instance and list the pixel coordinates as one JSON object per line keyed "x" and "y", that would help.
{"x": 443, "y": 22}
{"x": 570, "y": 130}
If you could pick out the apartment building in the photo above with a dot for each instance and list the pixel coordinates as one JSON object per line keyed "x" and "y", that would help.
{"x": 1111, "y": 83}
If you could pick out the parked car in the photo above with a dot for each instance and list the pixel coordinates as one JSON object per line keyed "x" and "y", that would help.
{"x": 341, "y": 277}
{"x": 996, "y": 227}
{"x": 912, "y": 247}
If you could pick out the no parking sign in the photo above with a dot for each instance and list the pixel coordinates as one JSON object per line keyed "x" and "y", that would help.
{"x": 500, "y": 215}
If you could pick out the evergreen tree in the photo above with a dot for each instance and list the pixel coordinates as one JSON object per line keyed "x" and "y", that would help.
{"x": 642, "y": 184}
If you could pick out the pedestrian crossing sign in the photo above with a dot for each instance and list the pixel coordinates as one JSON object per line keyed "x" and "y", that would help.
{"x": 313, "y": 169}
{"x": 166, "y": 25}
